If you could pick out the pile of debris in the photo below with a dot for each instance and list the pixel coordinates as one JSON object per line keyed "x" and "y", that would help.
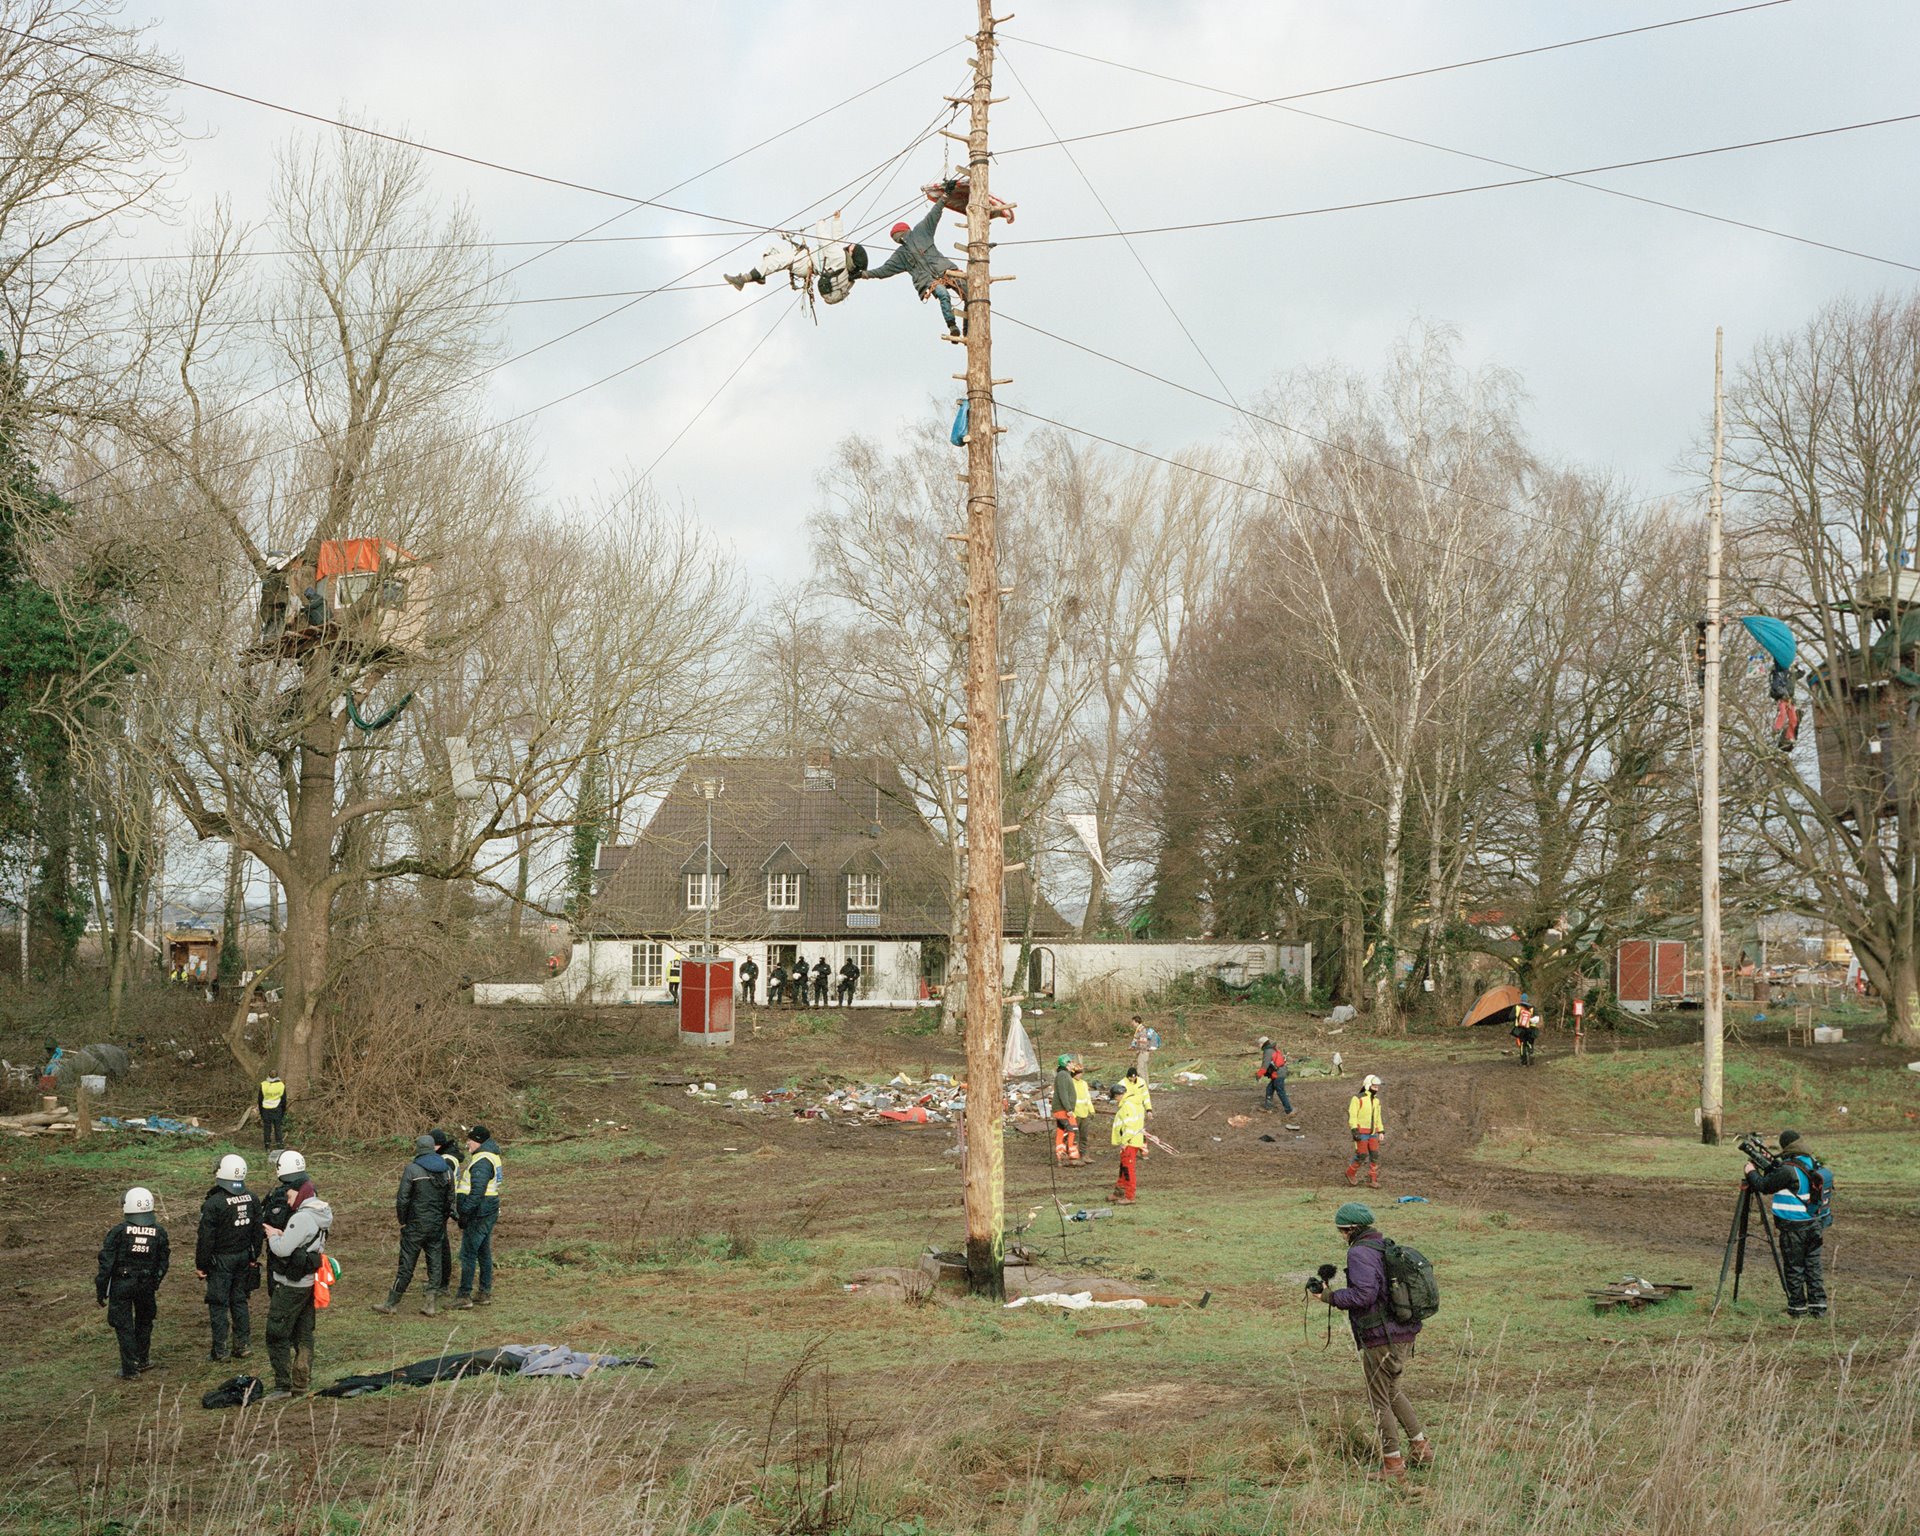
{"x": 62, "y": 1121}
{"x": 902, "y": 1100}
{"x": 947, "y": 1272}
{"x": 1633, "y": 1293}
{"x": 59, "y": 1121}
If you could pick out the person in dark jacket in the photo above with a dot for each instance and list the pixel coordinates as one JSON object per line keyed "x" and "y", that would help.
{"x": 421, "y": 1205}
{"x": 226, "y": 1254}
{"x": 935, "y": 273}
{"x": 797, "y": 982}
{"x": 1066, "y": 1107}
{"x": 477, "y": 1207}
{"x": 776, "y": 983}
{"x": 271, "y": 1098}
{"x": 1790, "y": 1182}
{"x": 849, "y": 982}
{"x": 749, "y": 979}
{"x": 133, "y": 1262}
{"x": 1385, "y": 1344}
{"x": 822, "y": 974}
{"x": 449, "y": 1149}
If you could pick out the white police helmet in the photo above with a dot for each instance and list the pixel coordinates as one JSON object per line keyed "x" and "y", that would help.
{"x": 232, "y": 1166}
{"x": 290, "y": 1162}
{"x": 139, "y": 1202}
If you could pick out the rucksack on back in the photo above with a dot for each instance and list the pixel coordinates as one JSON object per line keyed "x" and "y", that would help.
{"x": 1819, "y": 1196}
{"x": 1413, "y": 1295}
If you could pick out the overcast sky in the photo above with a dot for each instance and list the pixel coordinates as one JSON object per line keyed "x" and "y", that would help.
{"x": 1605, "y": 307}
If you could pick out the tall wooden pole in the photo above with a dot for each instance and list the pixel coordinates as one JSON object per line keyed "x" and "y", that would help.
{"x": 986, "y": 1150}
{"x": 1713, "y": 982}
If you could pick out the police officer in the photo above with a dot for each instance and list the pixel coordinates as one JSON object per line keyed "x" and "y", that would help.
{"x": 849, "y": 982}
{"x": 797, "y": 982}
{"x": 133, "y": 1262}
{"x": 226, "y": 1254}
{"x": 749, "y": 978}
{"x": 776, "y": 984}
{"x": 1797, "y": 1212}
{"x": 449, "y": 1150}
{"x": 477, "y": 1207}
{"x": 422, "y": 1204}
{"x": 273, "y": 1112}
{"x": 821, "y": 973}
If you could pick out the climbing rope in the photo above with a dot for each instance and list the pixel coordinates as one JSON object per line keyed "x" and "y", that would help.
{"x": 385, "y": 720}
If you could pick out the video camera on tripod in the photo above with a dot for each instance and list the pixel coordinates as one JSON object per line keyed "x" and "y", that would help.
{"x": 1763, "y": 1158}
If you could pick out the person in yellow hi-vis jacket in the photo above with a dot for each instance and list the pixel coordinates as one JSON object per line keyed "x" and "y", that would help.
{"x": 476, "y": 1193}
{"x": 272, "y": 1100}
{"x": 1130, "y": 1134}
{"x": 1083, "y": 1110}
{"x": 1369, "y": 1129}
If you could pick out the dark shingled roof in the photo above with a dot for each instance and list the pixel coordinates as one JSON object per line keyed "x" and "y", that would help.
{"x": 820, "y": 819}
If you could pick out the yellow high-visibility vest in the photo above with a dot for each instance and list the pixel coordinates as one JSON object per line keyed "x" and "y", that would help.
{"x": 496, "y": 1188}
{"x": 1363, "y": 1114}
{"x": 1082, "y": 1099}
{"x": 272, "y": 1092}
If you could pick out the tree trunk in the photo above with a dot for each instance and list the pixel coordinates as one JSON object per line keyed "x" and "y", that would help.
{"x": 516, "y": 914}
{"x": 953, "y": 995}
{"x": 1096, "y": 901}
{"x": 1903, "y": 1004}
{"x": 299, "y": 1044}
{"x": 1387, "y": 956}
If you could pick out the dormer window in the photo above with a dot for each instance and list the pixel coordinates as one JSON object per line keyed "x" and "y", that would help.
{"x": 863, "y": 893}
{"x": 783, "y": 893}
{"x": 701, "y": 897}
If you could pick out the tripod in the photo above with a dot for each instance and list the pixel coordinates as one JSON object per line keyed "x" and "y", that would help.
{"x": 1736, "y": 1254}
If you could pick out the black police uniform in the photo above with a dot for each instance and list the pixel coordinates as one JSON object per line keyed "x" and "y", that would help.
{"x": 749, "y": 976}
{"x": 849, "y": 980}
{"x": 821, "y": 971}
{"x": 423, "y": 1203}
{"x": 133, "y": 1262}
{"x": 227, "y": 1251}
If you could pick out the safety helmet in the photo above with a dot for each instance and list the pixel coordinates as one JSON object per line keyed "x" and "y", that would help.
{"x": 899, "y": 230}
{"x": 290, "y": 1162}
{"x": 139, "y": 1202}
{"x": 1525, "y": 999}
{"x": 232, "y": 1166}
{"x": 1063, "y": 1060}
{"x": 1368, "y": 1083}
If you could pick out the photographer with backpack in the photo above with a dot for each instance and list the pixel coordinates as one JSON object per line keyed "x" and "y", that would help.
{"x": 1389, "y": 1292}
{"x": 1802, "y": 1190}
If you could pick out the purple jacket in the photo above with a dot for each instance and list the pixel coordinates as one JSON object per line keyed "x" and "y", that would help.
{"x": 1364, "y": 1297}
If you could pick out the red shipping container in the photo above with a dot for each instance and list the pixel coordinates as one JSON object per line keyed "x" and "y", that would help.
{"x": 706, "y": 1002}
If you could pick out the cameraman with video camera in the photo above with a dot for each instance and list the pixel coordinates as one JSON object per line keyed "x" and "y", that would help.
{"x": 1384, "y": 1337}
{"x": 1802, "y": 1193}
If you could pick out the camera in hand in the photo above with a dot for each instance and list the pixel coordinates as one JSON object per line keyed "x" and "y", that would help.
{"x": 1318, "y": 1283}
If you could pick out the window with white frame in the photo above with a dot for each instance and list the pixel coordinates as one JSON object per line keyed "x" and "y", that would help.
{"x": 699, "y": 897}
{"x": 863, "y": 956}
{"x": 644, "y": 965}
{"x": 783, "y": 893}
{"x": 863, "y": 893}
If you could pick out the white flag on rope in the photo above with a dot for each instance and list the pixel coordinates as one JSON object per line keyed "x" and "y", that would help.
{"x": 1088, "y": 828}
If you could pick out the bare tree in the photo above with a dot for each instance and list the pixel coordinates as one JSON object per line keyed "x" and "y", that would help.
{"x": 1824, "y": 456}
{"x": 1392, "y": 558}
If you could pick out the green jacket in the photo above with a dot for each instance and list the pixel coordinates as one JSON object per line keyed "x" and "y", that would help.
{"x": 1066, "y": 1095}
{"x": 918, "y": 254}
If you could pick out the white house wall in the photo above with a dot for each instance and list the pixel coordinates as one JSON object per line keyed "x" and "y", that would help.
{"x": 601, "y": 970}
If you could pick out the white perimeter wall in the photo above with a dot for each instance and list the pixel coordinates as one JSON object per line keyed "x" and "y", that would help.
{"x": 601, "y": 971}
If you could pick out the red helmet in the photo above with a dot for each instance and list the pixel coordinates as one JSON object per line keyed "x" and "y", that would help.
{"x": 899, "y": 229}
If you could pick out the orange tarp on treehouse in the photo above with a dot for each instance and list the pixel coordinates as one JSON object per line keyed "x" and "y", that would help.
{"x": 340, "y": 555}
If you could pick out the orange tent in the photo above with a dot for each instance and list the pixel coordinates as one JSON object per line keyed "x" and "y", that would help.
{"x": 340, "y": 555}
{"x": 1493, "y": 1006}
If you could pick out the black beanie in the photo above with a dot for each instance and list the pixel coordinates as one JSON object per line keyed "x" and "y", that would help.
{"x": 1788, "y": 1138}
{"x": 479, "y": 1133}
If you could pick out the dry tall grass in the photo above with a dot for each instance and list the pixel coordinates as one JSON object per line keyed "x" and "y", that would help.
{"x": 1722, "y": 1441}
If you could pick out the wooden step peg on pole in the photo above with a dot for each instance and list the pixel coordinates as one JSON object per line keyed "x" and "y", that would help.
{"x": 958, "y": 138}
{"x": 955, "y": 767}
{"x": 1003, "y": 277}
{"x": 1012, "y": 869}
{"x": 1012, "y": 826}
{"x": 1006, "y": 677}
{"x": 960, "y": 376}
{"x": 963, "y": 477}
{"x": 997, "y": 382}
{"x": 1003, "y": 429}
{"x": 958, "y": 538}
{"x": 1006, "y": 591}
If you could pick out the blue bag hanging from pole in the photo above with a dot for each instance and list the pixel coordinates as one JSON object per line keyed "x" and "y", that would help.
{"x": 958, "y": 437}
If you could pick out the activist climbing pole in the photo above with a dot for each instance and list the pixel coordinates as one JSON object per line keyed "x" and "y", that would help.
{"x": 985, "y": 840}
